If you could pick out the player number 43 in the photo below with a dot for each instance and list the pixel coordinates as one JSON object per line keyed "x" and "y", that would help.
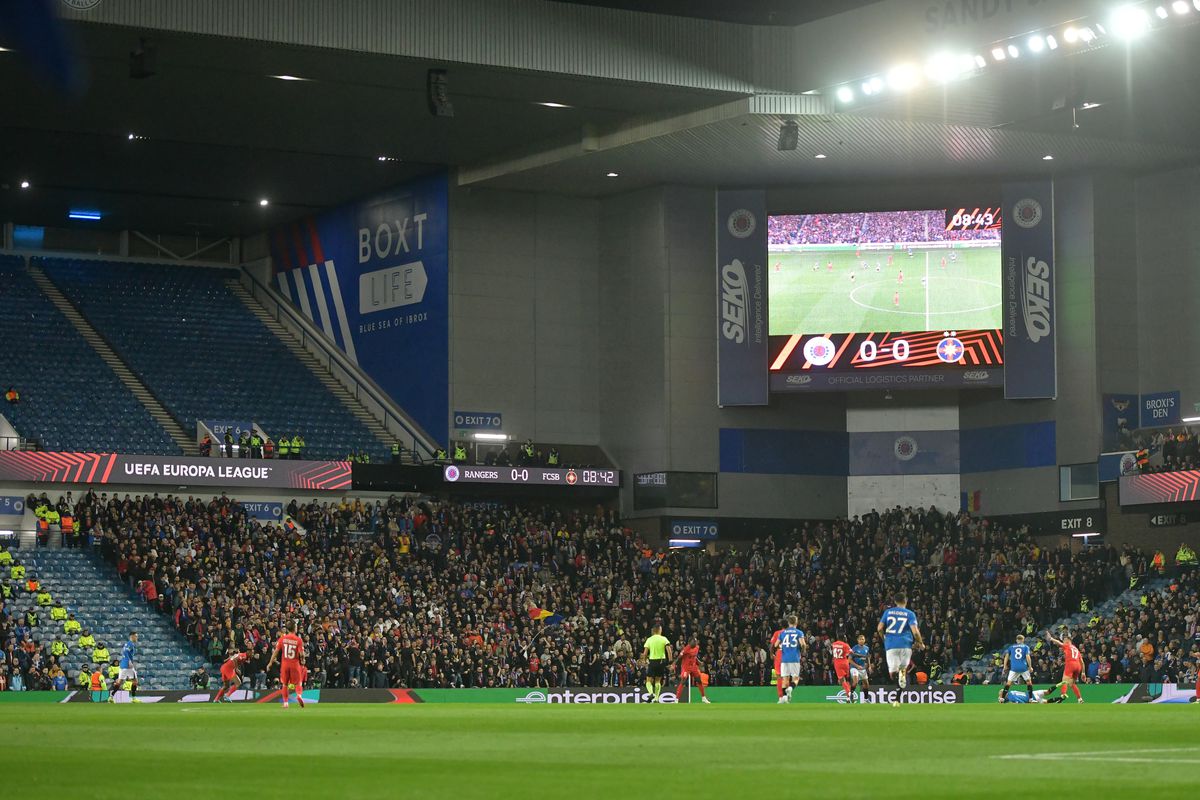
{"x": 868, "y": 350}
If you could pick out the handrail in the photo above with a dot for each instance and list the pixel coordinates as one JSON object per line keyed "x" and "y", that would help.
{"x": 422, "y": 442}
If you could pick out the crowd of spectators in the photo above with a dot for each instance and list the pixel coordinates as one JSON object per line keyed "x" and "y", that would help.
{"x": 438, "y": 593}
{"x": 875, "y": 227}
{"x": 1169, "y": 450}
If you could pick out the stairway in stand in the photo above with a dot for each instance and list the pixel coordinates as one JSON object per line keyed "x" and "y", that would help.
{"x": 91, "y": 591}
{"x": 181, "y": 438}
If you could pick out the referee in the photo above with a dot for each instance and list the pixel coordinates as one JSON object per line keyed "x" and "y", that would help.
{"x": 658, "y": 650}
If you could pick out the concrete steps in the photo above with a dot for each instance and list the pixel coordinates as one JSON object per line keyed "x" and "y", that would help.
{"x": 144, "y": 396}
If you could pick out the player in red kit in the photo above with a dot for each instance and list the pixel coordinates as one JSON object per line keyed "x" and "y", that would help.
{"x": 840, "y": 652}
{"x": 230, "y": 679}
{"x": 689, "y": 667}
{"x": 290, "y": 650}
{"x": 900, "y": 277}
{"x": 1072, "y": 665}
{"x": 896, "y": 299}
{"x": 777, "y": 662}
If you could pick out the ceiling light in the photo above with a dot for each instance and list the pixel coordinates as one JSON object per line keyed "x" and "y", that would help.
{"x": 1161, "y": 12}
{"x": 387, "y": 158}
{"x": 1129, "y": 22}
{"x": 998, "y": 53}
{"x": 820, "y": 155}
{"x": 264, "y": 202}
{"x": 490, "y": 437}
{"x": 1036, "y": 44}
{"x": 1047, "y": 157}
{"x": 1181, "y": 7}
{"x": 1013, "y": 51}
{"x": 90, "y": 216}
{"x": 611, "y": 175}
{"x": 553, "y": 105}
{"x": 288, "y": 78}
{"x": 903, "y": 78}
{"x": 1070, "y": 36}
{"x": 24, "y": 184}
{"x": 1051, "y": 42}
{"x": 1089, "y": 106}
{"x": 845, "y": 94}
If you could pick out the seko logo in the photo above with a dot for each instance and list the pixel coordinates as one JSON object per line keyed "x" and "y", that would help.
{"x": 733, "y": 301}
{"x": 1036, "y": 282}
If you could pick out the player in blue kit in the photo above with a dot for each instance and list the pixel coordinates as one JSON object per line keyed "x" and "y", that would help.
{"x": 127, "y": 677}
{"x": 860, "y": 661}
{"x": 1018, "y": 661}
{"x": 900, "y": 632}
{"x": 790, "y": 642}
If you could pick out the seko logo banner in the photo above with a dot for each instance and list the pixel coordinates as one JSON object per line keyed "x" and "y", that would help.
{"x": 742, "y": 298}
{"x": 1027, "y": 253}
{"x": 374, "y": 276}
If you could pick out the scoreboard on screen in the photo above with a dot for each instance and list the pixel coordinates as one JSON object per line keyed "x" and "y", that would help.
{"x": 532, "y": 476}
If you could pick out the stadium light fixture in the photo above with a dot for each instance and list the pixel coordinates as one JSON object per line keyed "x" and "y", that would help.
{"x": 980, "y": 61}
{"x": 1051, "y": 42}
{"x": 903, "y": 78}
{"x": 288, "y": 78}
{"x": 998, "y": 54}
{"x": 1047, "y": 157}
{"x": 1161, "y": 12}
{"x": 1196, "y": 3}
{"x": 612, "y": 174}
{"x": 1181, "y": 7}
{"x": 946, "y": 67}
{"x": 820, "y": 155}
{"x": 1071, "y": 35}
{"x": 85, "y": 215}
{"x": 1089, "y": 106}
{"x": 873, "y": 86}
{"x": 1086, "y": 35}
{"x": 387, "y": 158}
{"x": 1129, "y": 22}
{"x": 549, "y": 104}
{"x": 1191, "y": 419}
{"x": 845, "y": 94}
{"x": 1036, "y": 44}
{"x": 1013, "y": 51}
{"x": 24, "y": 184}
{"x": 490, "y": 437}
{"x": 264, "y": 202}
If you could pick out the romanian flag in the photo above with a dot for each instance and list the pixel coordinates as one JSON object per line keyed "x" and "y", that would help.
{"x": 548, "y": 617}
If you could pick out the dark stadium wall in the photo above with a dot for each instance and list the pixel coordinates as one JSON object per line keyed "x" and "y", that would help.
{"x": 1168, "y": 286}
{"x": 658, "y": 370}
{"x": 1118, "y": 286}
{"x": 524, "y": 322}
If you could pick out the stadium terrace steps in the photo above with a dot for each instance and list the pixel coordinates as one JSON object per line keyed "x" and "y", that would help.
{"x": 193, "y": 342}
{"x": 107, "y": 608}
{"x": 70, "y": 398}
{"x": 139, "y": 390}
{"x": 318, "y": 369}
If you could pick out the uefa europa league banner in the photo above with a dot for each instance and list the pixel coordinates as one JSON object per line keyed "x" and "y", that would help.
{"x": 1027, "y": 250}
{"x": 742, "y": 298}
{"x": 374, "y": 276}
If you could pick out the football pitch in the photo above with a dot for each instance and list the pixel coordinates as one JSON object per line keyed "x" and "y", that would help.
{"x": 568, "y": 751}
{"x": 830, "y": 291}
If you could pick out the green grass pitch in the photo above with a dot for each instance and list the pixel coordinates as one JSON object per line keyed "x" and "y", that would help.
{"x": 543, "y": 752}
{"x": 963, "y": 295}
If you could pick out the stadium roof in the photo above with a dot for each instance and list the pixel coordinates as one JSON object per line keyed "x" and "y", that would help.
{"x": 214, "y": 132}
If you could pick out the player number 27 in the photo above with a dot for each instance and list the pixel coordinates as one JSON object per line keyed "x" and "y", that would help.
{"x": 868, "y": 350}
{"x": 896, "y": 624}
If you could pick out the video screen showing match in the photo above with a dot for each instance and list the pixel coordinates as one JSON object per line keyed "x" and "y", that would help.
{"x": 884, "y": 272}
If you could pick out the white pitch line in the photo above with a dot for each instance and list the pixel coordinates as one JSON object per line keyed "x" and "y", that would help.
{"x": 1086, "y": 753}
{"x": 926, "y": 290}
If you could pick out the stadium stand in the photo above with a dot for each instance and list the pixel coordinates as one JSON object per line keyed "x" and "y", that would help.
{"x": 70, "y": 399}
{"x": 205, "y": 355}
{"x": 438, "y": 594}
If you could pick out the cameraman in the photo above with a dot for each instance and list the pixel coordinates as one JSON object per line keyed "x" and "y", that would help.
{"x": 199, "y": 679}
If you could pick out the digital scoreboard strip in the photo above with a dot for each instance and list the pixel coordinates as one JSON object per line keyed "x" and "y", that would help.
{"x": 531, "y": 476}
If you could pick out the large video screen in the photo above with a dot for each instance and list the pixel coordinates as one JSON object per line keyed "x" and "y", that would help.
{"x": 882, "y": 299}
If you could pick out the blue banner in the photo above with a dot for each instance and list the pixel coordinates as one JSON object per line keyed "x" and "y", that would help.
{"x": 1027, "y": 250}
{"x": 266, "y": 511}
{"x": 742, "y": 298}
{"x": 694, "y": 529}
{"x": 1111, "y": 466}
{"x": 478, "y": 421}
{"x": 374, "y": 276}
{"x": 904, "y": 453}
{"x": 12, "y": 506}
{"x": 1120, "y": 413}
{"x": 1160, "y": 408}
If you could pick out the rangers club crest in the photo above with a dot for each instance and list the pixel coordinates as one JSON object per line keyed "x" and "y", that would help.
{"x": 741, "y": 223}
{"x": 1027, "y": 212}
{"x": 451, "y": 473}
{"x": 819, "y": 351}
{"x": 905, "y": 448}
